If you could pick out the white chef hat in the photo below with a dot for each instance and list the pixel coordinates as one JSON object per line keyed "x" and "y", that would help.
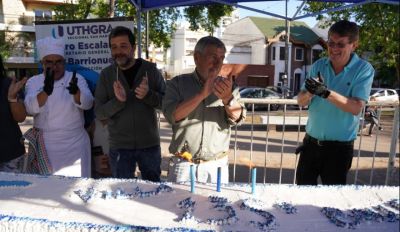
{"x": 50, "y": 46}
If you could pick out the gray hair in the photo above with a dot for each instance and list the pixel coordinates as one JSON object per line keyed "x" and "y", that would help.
{"x": 208, "y": 41}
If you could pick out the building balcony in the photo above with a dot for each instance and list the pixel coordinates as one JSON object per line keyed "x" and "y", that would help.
{"x": 20, "y": 60}
{"x": 26, "y": 20}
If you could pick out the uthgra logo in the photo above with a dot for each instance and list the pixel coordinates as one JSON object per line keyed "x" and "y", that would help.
{"x": 60, "y": 32}
{"x": 84, "y": 30}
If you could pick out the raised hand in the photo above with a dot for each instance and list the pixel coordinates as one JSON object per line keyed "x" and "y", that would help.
{"x": 15, "y": 87}
{"x": 142, "y": 90}
{"x": 223, "y": 88}
{"x": 119, "y": 91}
{"x": 48, "y": 81}
{"x": 73, "y": 84}
{"x": 317, "y": 87}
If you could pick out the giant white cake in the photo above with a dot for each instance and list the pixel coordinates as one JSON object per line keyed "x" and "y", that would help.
{"x": 54, "y": 203}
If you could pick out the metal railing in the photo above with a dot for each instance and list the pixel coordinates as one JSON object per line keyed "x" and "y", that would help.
{"x": 375, "y": 161}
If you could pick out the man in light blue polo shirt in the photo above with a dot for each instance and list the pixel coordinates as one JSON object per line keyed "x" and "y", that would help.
{"x": 335, "y": 91}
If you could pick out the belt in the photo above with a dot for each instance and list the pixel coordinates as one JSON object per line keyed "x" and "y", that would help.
{"x": 199, "y": 160}
{"x": 327, "y": 142}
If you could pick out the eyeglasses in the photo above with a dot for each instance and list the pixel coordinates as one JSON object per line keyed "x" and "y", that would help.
{"x": 51, "y": 63}
{"x": 332, "y": 44}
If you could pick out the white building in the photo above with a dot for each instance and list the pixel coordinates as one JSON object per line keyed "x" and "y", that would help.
{"x": 260, "y": 41}
{"x": 17, "y": 19}
{"x": 180, "y": 55}
{"x": 180, "y": 59}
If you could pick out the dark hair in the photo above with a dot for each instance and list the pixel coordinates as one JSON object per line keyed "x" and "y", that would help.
{"x": 207, "y": 41}
{"x": 121, "y": 31}
{"x": 345, "y": 28}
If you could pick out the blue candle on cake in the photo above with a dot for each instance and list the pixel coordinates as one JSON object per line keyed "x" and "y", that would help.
{"x": 253, "y": 180}
{"x": 192, "y": 178}
{"x": 219, "y": 179}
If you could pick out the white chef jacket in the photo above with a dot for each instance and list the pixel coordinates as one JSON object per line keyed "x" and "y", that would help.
{"x": 62, "y": 122}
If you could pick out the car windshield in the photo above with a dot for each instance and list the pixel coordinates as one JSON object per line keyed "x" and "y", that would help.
{"x": 246, "y": 92}
{"x": 374, "y": 91}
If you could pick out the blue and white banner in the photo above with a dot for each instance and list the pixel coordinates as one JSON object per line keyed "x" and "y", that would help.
{"x": 86, "y": 43}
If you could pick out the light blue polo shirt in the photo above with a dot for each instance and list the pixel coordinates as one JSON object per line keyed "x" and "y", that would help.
{"x": 325, "y": 120}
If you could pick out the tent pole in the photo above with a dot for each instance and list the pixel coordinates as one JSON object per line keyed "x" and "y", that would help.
{"x": 147, "y": 35}
{"x": 285, "y": 76}
{"x": 139, "y": 32}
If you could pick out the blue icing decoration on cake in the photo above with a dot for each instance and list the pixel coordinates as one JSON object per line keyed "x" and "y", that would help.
{"x": 14, "y": 183}
{"x": 91, "y": 226}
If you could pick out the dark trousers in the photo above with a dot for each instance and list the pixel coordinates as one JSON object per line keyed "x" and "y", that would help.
{"x": 329, "y": 160}
{"x": 123, "y": 163}
{"x": 373, "y": 121}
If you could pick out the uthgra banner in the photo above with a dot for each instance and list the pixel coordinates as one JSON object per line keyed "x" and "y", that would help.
{"x": 86, "y": 43}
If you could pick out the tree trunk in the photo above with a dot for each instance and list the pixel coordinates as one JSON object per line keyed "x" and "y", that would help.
{"x": 112, "y": 7}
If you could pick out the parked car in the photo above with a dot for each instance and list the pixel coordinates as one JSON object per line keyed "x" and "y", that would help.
{"x": 263, "y": 93}
{"x": 398, "y": 91}
{"x": 297, "y": 106}
{"x": 282, "y": 90}
{"x": 381, "y": 94}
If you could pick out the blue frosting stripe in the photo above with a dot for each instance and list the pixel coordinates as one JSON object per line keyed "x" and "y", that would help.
{"x": 12, "y": 183}
{"x": 91, "y": 226}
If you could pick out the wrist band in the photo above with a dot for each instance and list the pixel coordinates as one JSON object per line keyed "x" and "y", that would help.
{"x": 12, "y": 100}
{"x": 326, "y": 94}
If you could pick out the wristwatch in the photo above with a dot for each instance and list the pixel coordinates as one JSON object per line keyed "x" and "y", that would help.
{"x": 231, "y": 102}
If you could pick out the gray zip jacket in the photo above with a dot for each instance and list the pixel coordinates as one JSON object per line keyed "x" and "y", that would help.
{"x": 132, "y": 124}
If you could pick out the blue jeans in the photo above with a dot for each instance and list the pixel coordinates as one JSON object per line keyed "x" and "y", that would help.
{"x": 123, "y": 163}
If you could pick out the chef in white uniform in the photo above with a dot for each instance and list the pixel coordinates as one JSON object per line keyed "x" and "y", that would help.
{"x": 56, "y": 100}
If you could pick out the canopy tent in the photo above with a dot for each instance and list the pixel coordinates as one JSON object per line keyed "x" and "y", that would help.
{"x": 147, "y": 5}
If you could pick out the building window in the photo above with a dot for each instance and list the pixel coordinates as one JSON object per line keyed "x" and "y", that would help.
{"x": 189, "y": 53}
{"x": 43, "y": 15}
{"x": 299, "y": 54}
{"x": 273, "y": 53}
{"x": 281, "y": 53}
{"x": 316, "y": 54}
{"x": 191, "y": 41}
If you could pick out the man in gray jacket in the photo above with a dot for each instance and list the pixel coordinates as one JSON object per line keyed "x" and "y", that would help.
{"x": 127, "y": 95}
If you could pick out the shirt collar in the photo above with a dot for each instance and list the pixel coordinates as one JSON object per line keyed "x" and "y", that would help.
{"x": 353, "y": 60}
{"x": 197, "y": 77}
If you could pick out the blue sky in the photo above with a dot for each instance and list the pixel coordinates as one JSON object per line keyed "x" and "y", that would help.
{"x": 276, "y": 7}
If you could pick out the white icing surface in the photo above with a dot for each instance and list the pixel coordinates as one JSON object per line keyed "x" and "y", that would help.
{"x": 53, "y": 198}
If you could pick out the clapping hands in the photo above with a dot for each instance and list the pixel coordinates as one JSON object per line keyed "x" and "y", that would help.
{"x": 317, "y": 87}
{"x": 142, "y": 90}
{"x": 48, "y": 81}
{"x": 15, "y": 87}
{"x": 119, "y": 91}
{"x": 223, "y": 88}
{"x": 73, "y": 85}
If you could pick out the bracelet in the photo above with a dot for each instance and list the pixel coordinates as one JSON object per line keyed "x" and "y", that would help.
{"x": 12, "y": 100}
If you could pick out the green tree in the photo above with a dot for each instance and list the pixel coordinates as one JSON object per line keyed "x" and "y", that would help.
{"x": 206, "y": 17}
{"x": 162, "y": 22}
{"x": 71, "y": 10}
{"x": 379, "y": 34}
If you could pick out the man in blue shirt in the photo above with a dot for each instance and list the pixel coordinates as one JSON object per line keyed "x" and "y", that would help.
{"x": 335, "y": 91}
